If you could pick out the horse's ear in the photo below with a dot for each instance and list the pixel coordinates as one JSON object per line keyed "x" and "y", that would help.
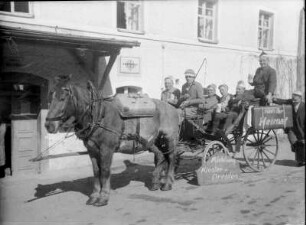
{"x": 62, "y": 78}
{"x": 91, "y": 88}
{"x": 90, "y": 85}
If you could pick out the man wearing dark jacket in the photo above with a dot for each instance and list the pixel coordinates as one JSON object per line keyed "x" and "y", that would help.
{"x": 235, "y": 106}
{"x": 264, "y": 81}
{"x": 192, "y": 95}
{"x": 296, "y": 134}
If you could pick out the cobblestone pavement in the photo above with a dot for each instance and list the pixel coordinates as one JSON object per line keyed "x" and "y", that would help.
{"x": 276, "y": 196}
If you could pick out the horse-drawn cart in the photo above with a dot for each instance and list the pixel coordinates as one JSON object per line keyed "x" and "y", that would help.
{"x": 254, "y": 134}
{"x": 103, "y": 123}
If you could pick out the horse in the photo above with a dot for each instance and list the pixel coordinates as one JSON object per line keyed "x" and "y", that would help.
{"x": 98, "y": 123}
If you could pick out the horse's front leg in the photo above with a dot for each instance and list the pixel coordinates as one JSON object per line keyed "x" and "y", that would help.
{"x": 106, "y": 155}
{"x": 170, "y": 157}
{"x": 96, "y": 183}
{"x": 159, "y": 161}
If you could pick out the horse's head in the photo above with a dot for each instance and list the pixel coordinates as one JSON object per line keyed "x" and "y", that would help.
{"x": 62, "y": 107}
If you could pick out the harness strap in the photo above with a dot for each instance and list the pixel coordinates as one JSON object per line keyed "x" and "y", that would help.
{"x": 59, "y": 118}
{"x": 284, "y": 115}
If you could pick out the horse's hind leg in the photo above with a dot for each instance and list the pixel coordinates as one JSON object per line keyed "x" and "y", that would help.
{"x": 158, "y": 160}
{"x": 170, "y": 157}
{"x": 96, "y": 185}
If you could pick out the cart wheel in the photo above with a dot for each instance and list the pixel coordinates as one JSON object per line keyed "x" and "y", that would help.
{"x": 260, "y": 149}
{"x": 212, "y": 148}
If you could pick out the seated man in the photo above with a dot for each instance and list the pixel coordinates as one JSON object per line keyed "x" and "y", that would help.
{"x": 209, "y": 104}
{"x": 296, "y": 134}
{"x": 225, "y": 97}
{"x": 170, "y": 94}
{"x": 264, "y": 81}
{"x": 192, "y": 95}
{"x": 235, "y": 107}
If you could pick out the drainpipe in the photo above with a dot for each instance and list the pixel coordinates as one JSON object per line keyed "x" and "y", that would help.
{"x": 300, "y": 81}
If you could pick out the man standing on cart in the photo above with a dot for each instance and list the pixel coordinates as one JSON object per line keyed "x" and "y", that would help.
{"x": 264, "y": 81}
{"x": 296, "y": 134}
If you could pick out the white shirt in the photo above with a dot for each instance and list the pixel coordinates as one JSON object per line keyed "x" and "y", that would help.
{"x": 296, "y": 107}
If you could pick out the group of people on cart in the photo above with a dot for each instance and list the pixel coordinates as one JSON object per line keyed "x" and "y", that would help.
{"x": 191, "y": 102}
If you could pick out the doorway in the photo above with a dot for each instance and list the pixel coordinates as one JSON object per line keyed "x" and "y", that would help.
{"x": 21, "y": 103}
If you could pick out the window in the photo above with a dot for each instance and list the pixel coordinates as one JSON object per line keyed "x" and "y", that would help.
{"x": 129, "y": 16}
{"x": 265, "y": 31}
{"x": 207, "y": 19}
{"x": 17, "y": 8}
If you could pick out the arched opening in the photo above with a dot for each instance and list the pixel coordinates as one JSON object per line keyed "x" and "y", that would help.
{"x": 22, "y": 96}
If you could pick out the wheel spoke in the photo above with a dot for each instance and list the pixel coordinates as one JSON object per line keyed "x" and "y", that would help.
{"x": 255, "y": 138}
{"x": 263, "y": 161}
{"x": 268, "y": 139}
{"x": 258, "y": 159}
{"x": 267, "y": 156}
{"x": 261, "y": 134}
{"x": 257, "y": 134}
{"x": 252, "y": 142}
{"x": 268, "y": 145}
{"x": 266, "y": 135}
{"x": 270, "y": 152}
{"x": 253, "y": 160}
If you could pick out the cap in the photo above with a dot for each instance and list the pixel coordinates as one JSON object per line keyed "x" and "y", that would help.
{"x": 299, "y": 93}
{"x": 212, "y": 86}
{"x": 190, "y": 72}
{"x": 241, "y": 84}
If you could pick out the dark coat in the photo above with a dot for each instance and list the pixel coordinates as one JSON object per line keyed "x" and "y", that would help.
{"x": 298, "y": 117}
{"x": 264, "y": 81}
{"x": 237, "y": 101}
{"x": 194, "y": 92}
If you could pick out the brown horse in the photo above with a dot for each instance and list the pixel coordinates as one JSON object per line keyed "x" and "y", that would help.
{"x": 98, "y": 123}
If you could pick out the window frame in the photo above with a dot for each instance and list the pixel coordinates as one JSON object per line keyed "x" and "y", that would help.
{"x": 29, "y": 14}
{"x": 141, "y": 17}
{"x": 270, "y": 44}
{"x": 214, "y": 39}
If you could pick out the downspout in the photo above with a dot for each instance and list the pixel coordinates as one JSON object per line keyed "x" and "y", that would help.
{"x": 300, "y": 81}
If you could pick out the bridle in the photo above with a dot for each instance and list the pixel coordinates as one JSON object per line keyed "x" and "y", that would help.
{"x": 63, "y": 117}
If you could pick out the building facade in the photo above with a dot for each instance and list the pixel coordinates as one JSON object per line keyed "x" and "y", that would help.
{"x": 174, "y": 35}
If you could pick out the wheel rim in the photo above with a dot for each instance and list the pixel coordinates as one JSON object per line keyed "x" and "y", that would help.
{"x": 260, "y": 149}
{"x": 212, "y": 148}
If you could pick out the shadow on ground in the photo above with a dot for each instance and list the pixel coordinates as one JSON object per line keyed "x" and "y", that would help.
{"x": 187, "y": 170}
{"x": 133, "y": 172}
{"x": 286, "y": 162}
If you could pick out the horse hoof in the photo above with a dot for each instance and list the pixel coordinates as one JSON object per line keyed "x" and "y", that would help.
{"x": 155, "y": 187}
{"x": 166, "y": 187}
{"x": 101, "y": 202}
{"x": 91, "y": 201}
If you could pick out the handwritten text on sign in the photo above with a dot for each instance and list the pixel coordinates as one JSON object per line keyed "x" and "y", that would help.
{"x": 220, "y": 168}
{"x": 272, "y": 117}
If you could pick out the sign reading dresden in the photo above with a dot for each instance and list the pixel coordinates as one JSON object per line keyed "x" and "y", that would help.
{"x": 129, "y": 65}
{"x": 220, "y": 168}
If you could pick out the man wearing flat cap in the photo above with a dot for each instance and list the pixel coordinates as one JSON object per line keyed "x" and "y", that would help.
{"x": 296, "y": 134}
{"x": 192, "y": 94}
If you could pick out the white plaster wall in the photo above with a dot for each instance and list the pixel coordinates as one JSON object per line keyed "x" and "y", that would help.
{"x": 171, "y": 20}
